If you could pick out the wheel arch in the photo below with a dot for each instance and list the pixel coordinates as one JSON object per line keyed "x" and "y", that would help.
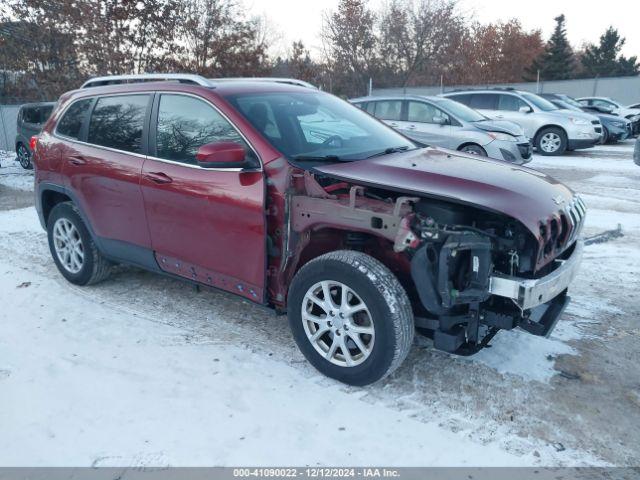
{"x": 550, "y": 125}
{"x": 468, "y": 144}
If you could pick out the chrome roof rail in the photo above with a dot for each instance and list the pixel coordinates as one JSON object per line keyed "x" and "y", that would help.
{"x": 290, "y": 81}
{"x": 147, "y": 77}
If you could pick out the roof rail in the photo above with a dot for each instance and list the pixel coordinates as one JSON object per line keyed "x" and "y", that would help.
{"x": 290, "y": 81}
{"x": 147, "y": 77}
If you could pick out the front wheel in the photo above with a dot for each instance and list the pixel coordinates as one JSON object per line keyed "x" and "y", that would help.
{"x": 551, "y": 141}
{"x": 24, "y": 157}
{"x": 474, "y": 150}
{"x": 350, "y": 317}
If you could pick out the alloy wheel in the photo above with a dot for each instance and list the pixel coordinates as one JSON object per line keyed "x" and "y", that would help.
{"x": 68, "y": 245}
{"x": 23, "y": 157}
{"x": 550, "y": 142}
{"x": 338, "y": 323}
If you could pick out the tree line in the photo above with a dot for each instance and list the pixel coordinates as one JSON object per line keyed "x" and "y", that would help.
{"x": 50, "y": 46}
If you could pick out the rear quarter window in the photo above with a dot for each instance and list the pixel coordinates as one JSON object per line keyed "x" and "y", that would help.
{"x": 70, "y": 125}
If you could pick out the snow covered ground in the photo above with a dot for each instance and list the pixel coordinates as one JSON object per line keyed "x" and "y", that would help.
{"x": 142, "y": 370}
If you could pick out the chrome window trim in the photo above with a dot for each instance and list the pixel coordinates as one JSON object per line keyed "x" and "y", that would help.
{"x": 223, "y": 115}
{"x": 140, "y": 155}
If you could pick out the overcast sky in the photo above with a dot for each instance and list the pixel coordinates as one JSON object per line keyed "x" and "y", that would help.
{"x": 586, "y": 20}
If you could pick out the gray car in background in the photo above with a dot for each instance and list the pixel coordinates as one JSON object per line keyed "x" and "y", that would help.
{"x": 31, "y": 119}
{"x": 636, "y": 152}
{"x": 553, "y": 131}
{"x": 444, "y": 123}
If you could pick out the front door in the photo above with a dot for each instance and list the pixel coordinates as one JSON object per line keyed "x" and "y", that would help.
{"x": 510, "y": 106}
{"x": 428, "y": 124}
{"x": 206, "y": 224}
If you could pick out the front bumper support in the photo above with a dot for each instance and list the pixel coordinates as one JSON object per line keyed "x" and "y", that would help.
{"x": 529, "y": 293}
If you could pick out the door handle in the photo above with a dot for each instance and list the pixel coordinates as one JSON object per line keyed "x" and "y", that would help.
{"x": 393, "y": 124}
{"x": 158, "y": 177}
{"x": 411, "y": 127}
{"x": 77, "y": 160}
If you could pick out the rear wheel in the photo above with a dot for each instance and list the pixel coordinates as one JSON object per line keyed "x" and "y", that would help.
{"x": 551, "y": 141}
{"x": 350, "y": 317}
{"x": 474, "y": 150}
{"x": 24, "y": 157}
{"x": 73, "y": 250}
{"x": 605, "y": 136}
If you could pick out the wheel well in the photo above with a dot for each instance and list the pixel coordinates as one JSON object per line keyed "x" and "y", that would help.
{"x": 467, "y": 144}
{"x": 535, "y": 137}
{"x": 51, "y": 198}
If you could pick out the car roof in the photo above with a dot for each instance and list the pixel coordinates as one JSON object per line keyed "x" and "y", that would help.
{"x": 372, "y": 98}
{"x": 485, "y": 90}
{"x": 37, "y": 104}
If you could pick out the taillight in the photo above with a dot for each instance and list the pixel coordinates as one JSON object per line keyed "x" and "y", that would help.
{"x": 33, "y": 143}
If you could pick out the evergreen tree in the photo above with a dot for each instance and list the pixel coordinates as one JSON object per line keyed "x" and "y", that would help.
{"x": 557, "y": 62}
{"x": 604, "y": 59}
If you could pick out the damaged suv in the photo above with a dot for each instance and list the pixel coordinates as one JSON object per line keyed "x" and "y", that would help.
{"x": 297, "y": 200}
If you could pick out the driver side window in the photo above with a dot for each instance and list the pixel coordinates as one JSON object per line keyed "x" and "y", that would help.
{"x": 510, "y": 103}
{"x": 421, "y": 112}
{"x": 187, "y": 123}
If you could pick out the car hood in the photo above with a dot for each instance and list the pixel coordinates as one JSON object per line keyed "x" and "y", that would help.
{"x": 607, "y": 117}
{"x": 502, "y": 126}
{"x": 524, "y": 194}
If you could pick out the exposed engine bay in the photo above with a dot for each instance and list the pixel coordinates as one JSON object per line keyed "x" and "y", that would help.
{"x": 462, "y": 267}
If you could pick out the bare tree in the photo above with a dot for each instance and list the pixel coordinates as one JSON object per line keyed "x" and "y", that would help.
{"x": 350, "y": 45}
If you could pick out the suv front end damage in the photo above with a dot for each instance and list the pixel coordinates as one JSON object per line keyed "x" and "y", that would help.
{"x": 469, "y": 272}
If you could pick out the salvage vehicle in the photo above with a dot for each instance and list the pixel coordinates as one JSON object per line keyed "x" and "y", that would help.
{"x": 31, "y": 118}
{"x": 445, "y": 123}
{"x": 360, "y": 237}
{"x": 614, "y": 128}
{"x": 552, "y": 131}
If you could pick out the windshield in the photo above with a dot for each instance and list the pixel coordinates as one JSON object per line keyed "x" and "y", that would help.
{"x": 314, "y": 125}
{"x": 566, "y": 105}
{"x": 459, "y": 110}
{"x": 541, "y": 103}
{"x": 571, "y": 101}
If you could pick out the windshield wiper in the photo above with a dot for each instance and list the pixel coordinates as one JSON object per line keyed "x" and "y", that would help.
{"x": 317, "y": 158}
{"x": 389, "y": 151}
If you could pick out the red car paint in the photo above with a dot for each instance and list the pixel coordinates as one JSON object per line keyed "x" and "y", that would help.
{"x": 214, "y": 226}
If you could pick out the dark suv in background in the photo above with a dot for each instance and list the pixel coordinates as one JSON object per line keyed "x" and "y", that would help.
{"x": 297, "y": 200}
{"x": 31, "y": 118}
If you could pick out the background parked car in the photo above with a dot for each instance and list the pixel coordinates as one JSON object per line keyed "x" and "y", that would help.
{"x": 631, "y": 113}
{"x": 636, "y": 152}
{"x": 445, "y": 123}
{"x": 31, "y": 118}
{"x": 635, "y": 105}
{"x": 552, "y": 130}
{"x": 614, "y": 127}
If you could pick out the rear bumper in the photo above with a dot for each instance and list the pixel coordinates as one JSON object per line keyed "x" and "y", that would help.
{"x": 531, "y": 293}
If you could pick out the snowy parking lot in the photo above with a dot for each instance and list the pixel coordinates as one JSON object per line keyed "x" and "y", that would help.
{"x": 144, "y": 370}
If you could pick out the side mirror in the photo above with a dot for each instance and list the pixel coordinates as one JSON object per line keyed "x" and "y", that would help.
{"x": 221, "y": 155}
{"x": 525, "y": 109}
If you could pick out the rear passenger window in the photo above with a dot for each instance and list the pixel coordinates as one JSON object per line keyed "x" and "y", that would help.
{"x": 71, "y": 122}
{"x": 186, "y": 123}
{"x": 31, "y": 115}
{"x": 388, "y": 109}
{"x": 117, "y": 122}
{"x": 484, "y": 101}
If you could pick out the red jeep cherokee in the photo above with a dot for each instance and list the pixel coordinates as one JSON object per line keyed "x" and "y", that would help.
{"x": 295, "y": 199}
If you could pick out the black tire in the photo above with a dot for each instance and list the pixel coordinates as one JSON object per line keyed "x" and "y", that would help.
{"x": 605, "y": 136}
{"x": 24, "y": 157}
{"x": 555, "y": 133}
{"x": 95, "y": 267}
{"x": 387, "y": 303}
{"x": 474, "y": 150}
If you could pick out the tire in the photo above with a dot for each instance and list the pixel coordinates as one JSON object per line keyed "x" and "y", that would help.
{"x": 474, "y": 150}
{"x": 65, "y": 227}
{"x": 24, "y": 157}
{"x": 378, "y": 303}
{"x": 605, "y": 136}
{"x": 551, "y": 141}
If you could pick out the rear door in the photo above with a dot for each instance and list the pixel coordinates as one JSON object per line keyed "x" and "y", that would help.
{"x": 389, "y": 111}
{"x": 428, "y": 124}
{"x": 206, "y": 224}
{"x": 102, "y": 157}
{"x": 485, "y": 103}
